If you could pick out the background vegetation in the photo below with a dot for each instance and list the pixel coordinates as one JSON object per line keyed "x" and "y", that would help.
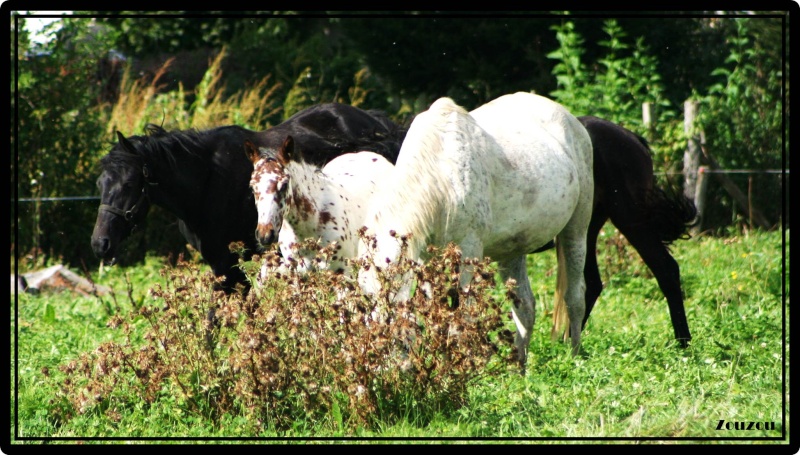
{"x": 103, "y": 72}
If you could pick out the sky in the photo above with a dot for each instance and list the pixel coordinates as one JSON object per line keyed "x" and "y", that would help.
{"x": 34, "y": 25}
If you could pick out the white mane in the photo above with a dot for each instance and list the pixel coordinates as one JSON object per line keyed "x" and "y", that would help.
{"x": 417, "y": 196}
{"x": 500, "y": 181}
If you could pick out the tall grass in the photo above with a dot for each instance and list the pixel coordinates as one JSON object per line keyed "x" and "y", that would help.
{"x": 142, "y": 100}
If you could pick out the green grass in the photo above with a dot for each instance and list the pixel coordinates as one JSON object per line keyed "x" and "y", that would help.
{"x": 633, "y": 380}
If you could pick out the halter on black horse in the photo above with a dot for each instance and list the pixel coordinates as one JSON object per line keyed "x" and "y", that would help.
{"x": 132, "y": 214}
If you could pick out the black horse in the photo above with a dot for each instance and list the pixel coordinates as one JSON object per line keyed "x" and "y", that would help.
{"x": 650, "y": 218}
{"x": 203, "y": 178}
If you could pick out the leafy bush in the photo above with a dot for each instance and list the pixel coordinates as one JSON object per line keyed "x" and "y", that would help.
{"x": 737, "y": 116}
{"x": 58, "y": 129}
{"x": 742, "y": 118}
{"x": 616, "y": 88}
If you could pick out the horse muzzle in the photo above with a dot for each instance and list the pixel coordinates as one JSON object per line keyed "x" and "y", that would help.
{"x": 103, "y": 250}
{"x": 266, "y": 234}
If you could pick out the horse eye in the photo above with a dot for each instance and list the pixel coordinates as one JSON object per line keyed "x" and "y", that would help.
{"x": 282, "y": 185}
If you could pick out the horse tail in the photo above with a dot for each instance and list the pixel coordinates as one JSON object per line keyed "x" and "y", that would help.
{"x": 560, "y": 315}
{"x": 671, "y": 214}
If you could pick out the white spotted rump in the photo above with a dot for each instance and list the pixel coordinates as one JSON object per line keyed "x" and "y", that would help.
{"x": 501, "y": 182}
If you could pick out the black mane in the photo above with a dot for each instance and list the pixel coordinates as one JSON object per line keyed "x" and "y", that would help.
{"x": 328, "y": 130}
{"x": 156, "y": 144}
{"x": 119, "y": 160}
{"x": 173, "y": 146}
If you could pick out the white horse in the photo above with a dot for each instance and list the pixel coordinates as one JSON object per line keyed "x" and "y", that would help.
{"x": 500, "y": 182}
{"x": 296, "y": 200}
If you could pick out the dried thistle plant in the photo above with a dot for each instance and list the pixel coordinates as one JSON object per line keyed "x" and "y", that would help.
{"x": 302, "y": 345}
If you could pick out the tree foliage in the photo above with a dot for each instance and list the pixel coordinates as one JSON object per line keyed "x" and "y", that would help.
{"x": 149, "y": 32}
{"x": 685, "y": 47}
{"x": 744, "y": 118}
{"x": 58, "y": 132}
{"x": 471, "y": 59}
{"x": 616, "y": 86}
{"x": 738, "y": 114}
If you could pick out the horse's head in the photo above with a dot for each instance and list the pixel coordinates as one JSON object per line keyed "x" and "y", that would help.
{"x": 270, "y": 184}
{"x": 123, "y": 198}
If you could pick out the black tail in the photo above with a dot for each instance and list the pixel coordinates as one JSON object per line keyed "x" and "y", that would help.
{"x": 671, "y": 214}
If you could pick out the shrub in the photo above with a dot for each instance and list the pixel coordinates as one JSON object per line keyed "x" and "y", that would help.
{"x": 300, "y": 346}
{"x": 58, "y": 128}
{"x": 742, "y": 118}
{"x": 616, "y": 88}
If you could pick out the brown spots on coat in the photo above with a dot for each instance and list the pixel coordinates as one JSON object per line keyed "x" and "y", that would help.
{"x": 305, "y": 206}
{"x": 325, "y": 217}
{"x": 267, "y": 167}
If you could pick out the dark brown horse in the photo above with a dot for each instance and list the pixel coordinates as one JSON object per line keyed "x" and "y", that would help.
{"x": 648, "y": 216}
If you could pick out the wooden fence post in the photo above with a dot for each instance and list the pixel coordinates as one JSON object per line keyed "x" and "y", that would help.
{"x": 694, "y": 187}
{"x": 691, "y": 157}
{"x": 700, "y": 198}
{"x": 647, "y": 119}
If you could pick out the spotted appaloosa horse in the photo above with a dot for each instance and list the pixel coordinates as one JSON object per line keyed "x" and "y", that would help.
{"x": 501, "y": 181}
{"x": 296, "y": 200}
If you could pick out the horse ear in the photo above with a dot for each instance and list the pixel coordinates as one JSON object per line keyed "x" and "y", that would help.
{"x": 251, "y": 151}
{"x": 125, "y": 143}
{"x": 286, "y": 152}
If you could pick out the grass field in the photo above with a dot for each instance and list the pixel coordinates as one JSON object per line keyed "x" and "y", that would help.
{"x": 632, "y": 385}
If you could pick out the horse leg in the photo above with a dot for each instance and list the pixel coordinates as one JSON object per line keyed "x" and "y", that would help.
{"x": 591, "y": 273}
{"x": 571, "y": 243}
{"x": 574, "y": 251}
{"x": 524, "y": 311}
{"x": 471, "y": 247}
{"x": 657, "y": 257}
